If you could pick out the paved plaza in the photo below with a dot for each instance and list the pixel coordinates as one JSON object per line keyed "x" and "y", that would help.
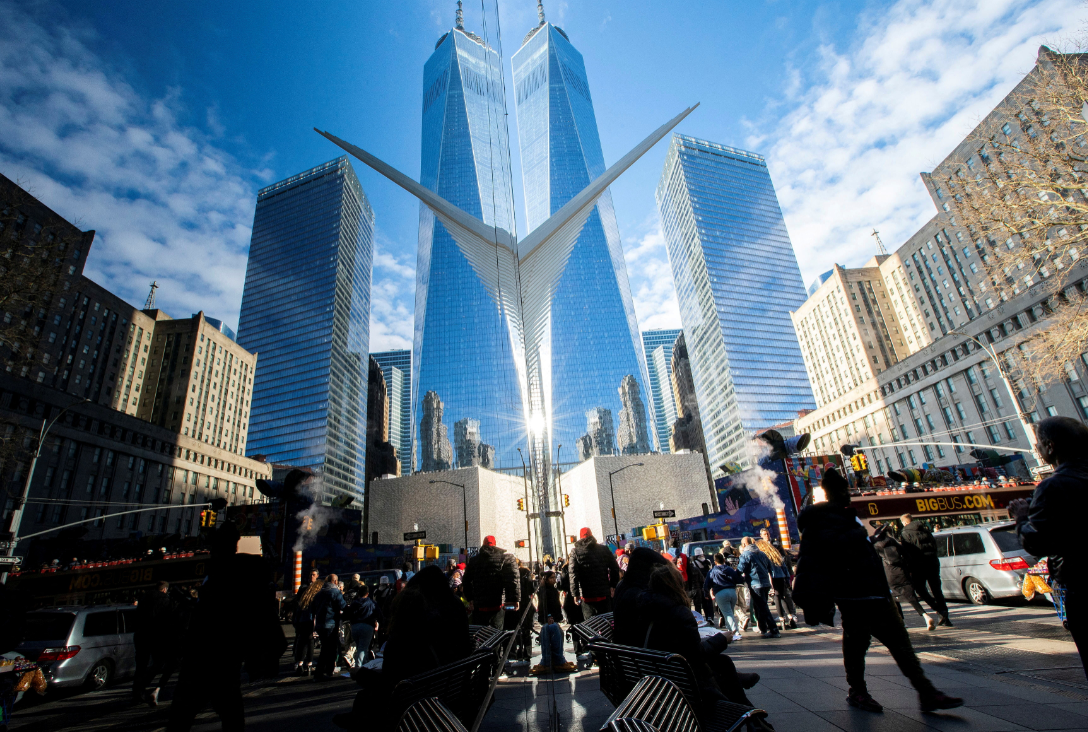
{"x": 1015, "y": 666}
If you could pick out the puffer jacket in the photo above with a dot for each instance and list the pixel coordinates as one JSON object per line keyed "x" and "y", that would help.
{"x": 593, "y": 570}
{"x": 722, "y": 577}
{"x": 919, "y": 549}
{"x": 1053, "y": 526}
{"x": 895, "y": 566}
{"x": 757, "y": 566}
{"x": 491, "y": 579}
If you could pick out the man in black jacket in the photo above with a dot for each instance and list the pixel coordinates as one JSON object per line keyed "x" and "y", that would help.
{"x": 491, "y": 584}
{"x": 155, "y": 641}
{"x": 1052, "y": 524}
{"x": 594, "y": 575}
{"x": 920, "y": 552}
{"x": 838, "y": 566}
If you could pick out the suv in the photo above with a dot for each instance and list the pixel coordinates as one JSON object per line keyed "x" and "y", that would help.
{"x": 82, "y": 646}
{"x": 982, "y": 562}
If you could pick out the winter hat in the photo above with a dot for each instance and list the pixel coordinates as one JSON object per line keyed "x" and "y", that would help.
{"x": 584, "y": 533}
{"x": 835, "y": 486}
{"x": 489, "y": 541}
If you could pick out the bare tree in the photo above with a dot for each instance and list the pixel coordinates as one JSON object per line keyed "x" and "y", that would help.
{"x": 1024, "y": 198}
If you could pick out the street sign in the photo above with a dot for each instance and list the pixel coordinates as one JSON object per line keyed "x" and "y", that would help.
{"x": 667, "y": 513}
{"x": 472, "y": 551}
{"x": 11, "y": 560}
{"x": 413, "y": 535}
{"x": 6, "y": 544}
{"x": 553, "y": 514}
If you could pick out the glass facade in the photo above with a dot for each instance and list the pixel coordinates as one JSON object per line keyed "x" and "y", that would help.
{"x": 658, "y": 347}
{"x": 397, "y": 369}
{"x": 737, "y": 280}
{"x": 593, "y": 345}
{"x": 306, "y": 312}
{"x": 465, "y": 357}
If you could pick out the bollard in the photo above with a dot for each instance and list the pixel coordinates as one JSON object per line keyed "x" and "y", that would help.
{"x": 783, "y": 528}
{"x": 298, "y": 570}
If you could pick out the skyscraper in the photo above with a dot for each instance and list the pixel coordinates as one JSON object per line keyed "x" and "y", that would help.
{"x": 658, "y": 344}
{"x": 397, "y": 369}
{"x": 737, "y": 280}
{"x": 593, "y": 343}
{"x": 464, "y": 353}
{"x": 306, "y": 311}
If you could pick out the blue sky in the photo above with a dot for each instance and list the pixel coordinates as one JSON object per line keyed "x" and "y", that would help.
{"x": 156, "y": 123}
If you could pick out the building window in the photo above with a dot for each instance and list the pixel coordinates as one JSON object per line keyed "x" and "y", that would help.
{"x": 1083, "y": 403}
{"x": 1011, "y": 434}
{"x": 929, "y": 453}
{"x": 1052, "y": 412}
{"x": 981, "y": 400}
{"x": 956, "y": 440}
{"x": 994, "y": 436}
{"x": 959, "y": 411}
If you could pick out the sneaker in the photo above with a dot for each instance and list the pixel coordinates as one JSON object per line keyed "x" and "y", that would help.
{"x": 937, "y": 700}
{"x": 864, "y": 702}
{"x": 945, "y": 621}
{"x": 747, "y": 681}
{"x": 153, "y": 697}
{"x": 793, "y": 623}
{"x": 737, "y": 636}
{"x": 931, "y": 622}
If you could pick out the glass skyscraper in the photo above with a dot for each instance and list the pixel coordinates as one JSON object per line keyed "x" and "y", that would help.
{"x": 737, "y": 280}
{"x": 397, "y": 369}
{"x": 465, "y": 357}
{"x": 306, "y": 311}
{"x": 658, "y": 347}
{"x": 593, "y": 344}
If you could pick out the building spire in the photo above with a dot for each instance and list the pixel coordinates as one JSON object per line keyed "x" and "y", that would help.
{"x": 150, "y": 304}
{"x": 879, "y": 244}
{"x": 540, "y": 10}
{"x": 460, "y": 24}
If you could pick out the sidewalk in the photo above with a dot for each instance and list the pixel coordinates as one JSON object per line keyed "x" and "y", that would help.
{"x": 1014, "y": 666}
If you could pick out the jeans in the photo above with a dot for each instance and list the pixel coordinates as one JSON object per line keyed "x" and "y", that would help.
{"x": 863, "y": 620}
{"x": 933, "y": 595}
{"x": 783, "y": 598}
{"x": 304, "y": 644}
{"x": 330, "y": 650}
{"x": 362, "y": 634}
{"x": 551, "y": 645}
{"x": 761, "y": 611}
{"x": 726, "y": 601}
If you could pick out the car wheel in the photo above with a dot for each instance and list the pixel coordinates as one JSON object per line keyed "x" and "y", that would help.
{"x": 976, "y": 592}
{"x": 100, "y": 676}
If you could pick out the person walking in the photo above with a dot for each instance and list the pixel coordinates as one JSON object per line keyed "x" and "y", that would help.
{"x": 721, "y": 586}
{"x": 490, "y": 584}
{"x": 743, "y": 610}
{"x": 919, "y": 550}
{"x": 838, "y": 566}
{"x": 327, "y": 606}
{"x": 550, "y": 614}
{"x": 156, "y": 642}
{"x": 365, "y": 619}
{"x": 1051, "y": 525}
{"x": 756, "y": 568}
{"x": 705, "y": 604}
{"x": 780, "y": 583}
{"x": 594, "y": 575}
{"x": 898, "y": 574}
{"x": 693, "y": 582}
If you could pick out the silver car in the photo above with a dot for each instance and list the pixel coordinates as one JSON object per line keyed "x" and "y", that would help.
{"x": 983, "y": 562}
{"x": 82, "y": 646}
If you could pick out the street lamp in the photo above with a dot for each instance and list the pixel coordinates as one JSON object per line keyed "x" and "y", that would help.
{"x": 1029, "y": 431}
{"x": 612, "y": 492}
{"x": 17, "y": 513}
{"x": 464, "y": 503}
{"x": 528, "y": 521}
{"x": 562, "y": 508}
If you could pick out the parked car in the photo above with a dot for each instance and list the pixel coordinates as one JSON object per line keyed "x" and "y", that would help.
{"x": 82, "y": 646}
{"x": 982, "y": 562}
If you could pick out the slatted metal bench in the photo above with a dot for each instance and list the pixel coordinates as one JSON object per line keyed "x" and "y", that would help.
{"x": 599, "y": 627}
{"x": 429, "y": 715}
{"x": 623, "y": 667}
{"x": 460, "y": 686}
{"x": 485, "y": 637}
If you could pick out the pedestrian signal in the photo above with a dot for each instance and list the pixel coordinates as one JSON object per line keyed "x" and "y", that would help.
{"x": 571, "y": 539}
{"x": 521, "y": 504}
{"x": 566, "y": 499}
{"x": 521, "y": 543}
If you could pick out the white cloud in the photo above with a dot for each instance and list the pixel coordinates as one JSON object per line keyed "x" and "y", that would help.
{"x": 846, "y": 147}
{"x": 392, "y": 298}
{"x": 648, "y": 269}
{"x": 166, "y": 204}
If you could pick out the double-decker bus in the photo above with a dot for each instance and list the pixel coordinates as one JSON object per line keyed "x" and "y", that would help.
{"x": 942, "y": 506}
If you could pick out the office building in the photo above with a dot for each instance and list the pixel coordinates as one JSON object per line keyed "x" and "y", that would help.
{"x": 737, "y": 280}
{"x": 118, "y": 380}
{"x": 657, "y": 344}
{"x": 464, "y": 352}
{"x": 381, "y": 456}
{"x": 594, "y": 345}
{"x": 943, "y": 394}
{"x": 396, "y": 367}
{"x": 306, "y": 312}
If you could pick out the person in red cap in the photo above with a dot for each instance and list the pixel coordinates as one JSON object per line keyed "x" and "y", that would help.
{"x": 594, "y": 575}
{"x": 490, "y": 585}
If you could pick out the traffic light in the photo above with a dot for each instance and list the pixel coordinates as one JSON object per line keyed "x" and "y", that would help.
{"x": 307, "y": 523}
{"x": 521, "y": 543}
{"x": 207, "y": 519}
{"x": 863, "y": 461}
{"x": 521, "y": 504}
{"x": 430, "y": 551}
{"x": 855, "y": 462}
{"x": 566, "y": 499}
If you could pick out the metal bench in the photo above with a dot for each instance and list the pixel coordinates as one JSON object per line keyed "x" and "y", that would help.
{"x": 485, "y": 637}
{"x": 623, "y": 667}
{"x": 460, "y": 686}
{"x": 657, "y": 704}
{"x": 429, "y": 715}
{"x": 599, "y": 627}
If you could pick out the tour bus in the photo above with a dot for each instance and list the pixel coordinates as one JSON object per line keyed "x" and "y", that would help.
{"x": 941, "y": 507}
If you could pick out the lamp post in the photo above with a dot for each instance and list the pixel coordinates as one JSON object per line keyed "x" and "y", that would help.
{"x": 528, "y": 521}
{"x": 612, "y": 492}
{"x": 17, "y": 512}
{"x": 1029, "y": 431}
{"x": 562, "y": 508}
{"x": 464, "y": 497}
